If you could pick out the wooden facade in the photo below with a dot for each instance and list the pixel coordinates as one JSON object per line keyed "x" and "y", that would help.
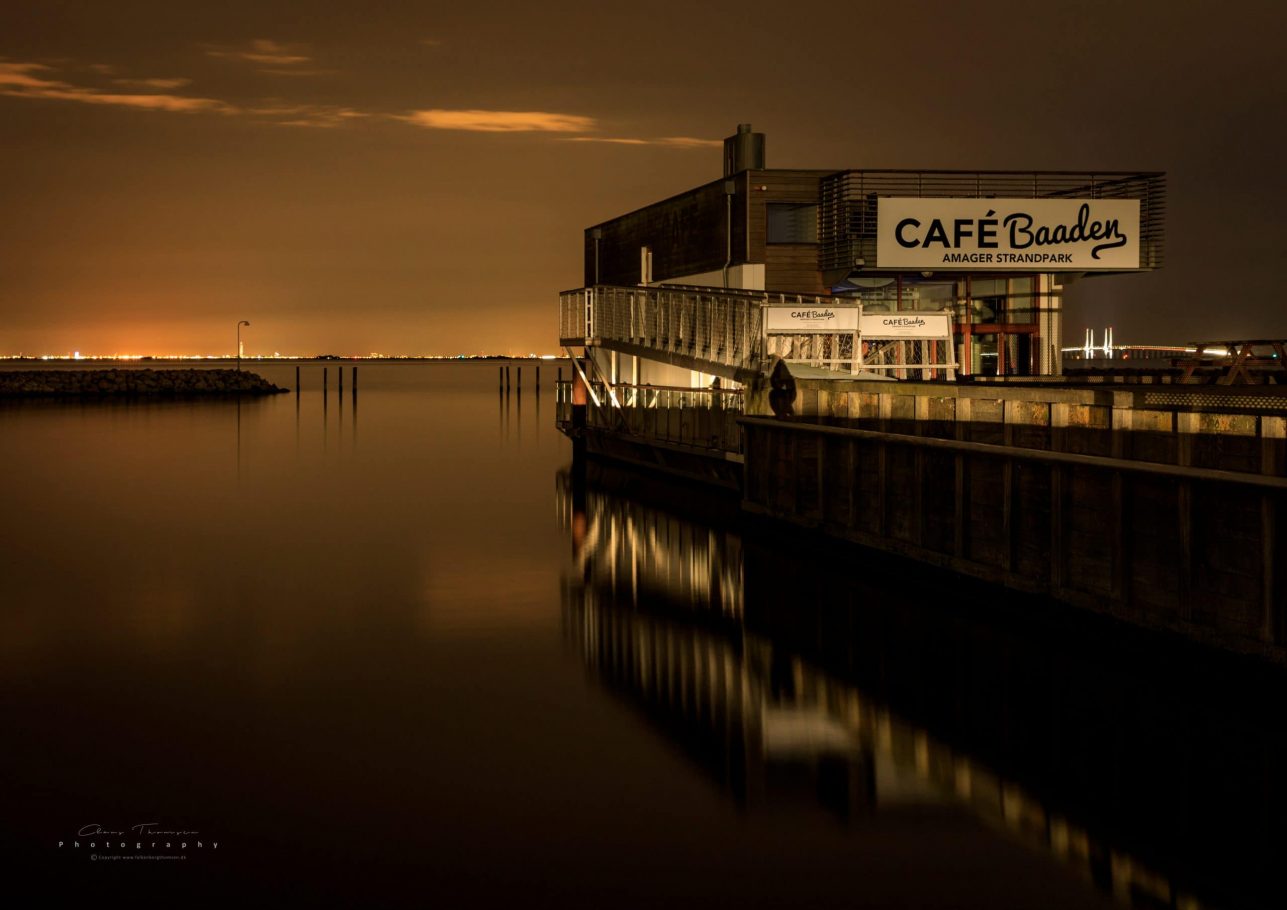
{"x": 691, "y": 234}
{"x": 791, "y": 267}
{"x": 685, "y": 234}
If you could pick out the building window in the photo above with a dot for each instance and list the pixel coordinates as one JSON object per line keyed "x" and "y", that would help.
{"x": 791, "y": 222}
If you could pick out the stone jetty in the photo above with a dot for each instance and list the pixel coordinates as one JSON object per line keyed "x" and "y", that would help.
{"x": 132, "y": 383}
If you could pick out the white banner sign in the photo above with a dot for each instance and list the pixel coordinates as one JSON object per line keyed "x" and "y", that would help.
{"x": 1030, "y": 235}
{"x": 906, "y": 325}
{"x": 781, "y": 319}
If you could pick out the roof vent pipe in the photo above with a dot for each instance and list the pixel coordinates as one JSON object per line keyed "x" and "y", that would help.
{"x": 743, "y": 151}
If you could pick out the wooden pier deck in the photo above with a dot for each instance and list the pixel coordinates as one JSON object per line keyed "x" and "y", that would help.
{"x": 1164, "y": 506}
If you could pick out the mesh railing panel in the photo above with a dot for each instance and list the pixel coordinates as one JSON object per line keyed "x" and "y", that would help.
{"x": 712, "y": 325}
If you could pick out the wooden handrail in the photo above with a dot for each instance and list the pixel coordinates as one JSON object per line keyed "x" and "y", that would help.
{"x": 1047, "y": 456}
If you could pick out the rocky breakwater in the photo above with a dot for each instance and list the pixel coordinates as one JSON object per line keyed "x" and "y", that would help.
{"x": 132, "y": 383}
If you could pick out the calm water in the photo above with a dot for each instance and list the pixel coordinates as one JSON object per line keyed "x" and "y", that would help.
{"x": 392, "y": 653}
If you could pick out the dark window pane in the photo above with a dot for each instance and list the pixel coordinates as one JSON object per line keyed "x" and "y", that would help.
{"x": 790, "y": 222}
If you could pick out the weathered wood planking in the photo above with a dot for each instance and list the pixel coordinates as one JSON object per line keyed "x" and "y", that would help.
{"x": 1189, "y": 549}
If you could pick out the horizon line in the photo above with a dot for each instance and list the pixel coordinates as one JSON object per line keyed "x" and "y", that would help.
{"x": 77, "y": 357}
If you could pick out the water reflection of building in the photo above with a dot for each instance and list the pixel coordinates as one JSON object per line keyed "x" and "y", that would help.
{"x": 840, "y": 690}
{"x": 637, "y": 551}
{"x": 655, "y": 607}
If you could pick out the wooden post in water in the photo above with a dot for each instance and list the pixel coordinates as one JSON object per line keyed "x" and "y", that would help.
{"x": 339, "y": 379}
{"x": 520, "y": 380}
{"x": 506, "y": 379}
{"x": 296, "y": 382}
{"x": 538, "y": 377}
{"x": 325, "y": 380}
{"x": 355, "y": 381}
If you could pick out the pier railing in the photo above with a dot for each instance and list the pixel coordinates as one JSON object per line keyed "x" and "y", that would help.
{"x": 725, "y": 332}
{"x": 714, "y": 330}
{"x": 674, "y": 415}
{"x": 563, "y": 403}
{"x": 1194, "y": 549}
{"x": 703, "y": 418}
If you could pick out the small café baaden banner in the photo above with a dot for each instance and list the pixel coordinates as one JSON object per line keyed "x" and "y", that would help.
{"x": 847, "y": 319}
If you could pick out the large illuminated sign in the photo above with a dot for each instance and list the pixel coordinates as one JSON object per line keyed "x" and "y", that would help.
{"x": 1032, "y": 235}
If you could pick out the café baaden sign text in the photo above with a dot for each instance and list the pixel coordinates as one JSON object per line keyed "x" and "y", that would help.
{"x": 785, "y": 319}
{"x": 1065, "y": 235}
{"x": 910, "y": 324}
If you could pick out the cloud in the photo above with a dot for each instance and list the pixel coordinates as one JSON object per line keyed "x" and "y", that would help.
{"x": 175, "y": 103}
{"x": 679, "y": 142}
{"x": 607, "y": 140}
{"x": 541, "y": 122}
{"x": 38, "y": 80}
{"x": 154, "y": 83}
{"x": 41, "y": 80}
{"x": 19, "y": 73}
{"x": 689, "y": 142}
{"x": 272, "y": 71}
{"x": 31, "y": 80}
{"x": 308, "y": 115}
{"x": 500, "y": 121}
{"x": 262, "y": 50}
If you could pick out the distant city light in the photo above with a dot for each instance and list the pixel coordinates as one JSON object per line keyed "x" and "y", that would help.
{"x": 276, "y": 355}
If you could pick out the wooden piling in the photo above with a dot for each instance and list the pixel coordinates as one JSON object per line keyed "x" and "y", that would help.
{"x": 325, "y": 380}
{"x": 339, "y": 379}
{"x": 296, "y": 382}
{"x": 355, "y": 380}
{"x": 538, "y": 377}
{"x": 506, "y": 379}
{"x": 520, "y": 378}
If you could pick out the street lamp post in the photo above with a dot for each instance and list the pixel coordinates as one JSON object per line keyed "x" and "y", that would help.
{"x": 239, "y": 325}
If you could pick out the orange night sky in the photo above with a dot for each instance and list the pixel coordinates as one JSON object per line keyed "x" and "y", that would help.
{"x": 414, "y": 177}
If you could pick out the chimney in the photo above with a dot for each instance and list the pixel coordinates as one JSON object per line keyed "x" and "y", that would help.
{"x": 743, "y": 151}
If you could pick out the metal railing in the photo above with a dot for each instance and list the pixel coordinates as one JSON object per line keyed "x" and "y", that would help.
{"x": 713, "y": 326}
{"x": 703, "y": 418}
{"x": 723, "y": 331}
{"x": 675, "y": 415}
{"x": 912, "y": 358}
{"x": 563, "y": 402}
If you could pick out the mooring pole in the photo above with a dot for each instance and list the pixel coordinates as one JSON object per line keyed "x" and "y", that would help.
{"x": 325, "y": 381}
{"x": 520, "y": 379}
{"x": 538, "y": 378}
{"x": 296, "y": 382}
{"x": 339, "y": 379}
{"x": 355, "y": 382}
